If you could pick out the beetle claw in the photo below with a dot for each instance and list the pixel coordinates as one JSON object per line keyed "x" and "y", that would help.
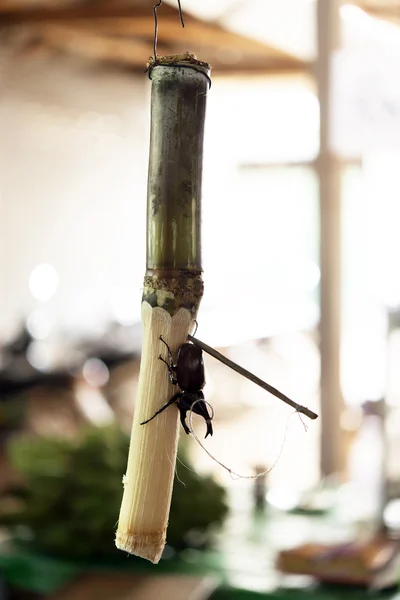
{"x": 209, "y": 428}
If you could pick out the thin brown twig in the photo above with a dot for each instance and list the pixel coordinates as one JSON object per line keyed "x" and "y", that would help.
{"x": 232, "y": 365}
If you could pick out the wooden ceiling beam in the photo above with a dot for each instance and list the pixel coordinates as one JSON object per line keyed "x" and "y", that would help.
{"x": 96, "y": 10}
{"x": 195, "y": 31}
{"x": 387, "y": 11}
{"x": 134, "y": 53}
{"x": 123, "y": 33}
{"x": 138, "y": 22}
{"x": 96, "y": 47}
{"x": 252, "y": 69}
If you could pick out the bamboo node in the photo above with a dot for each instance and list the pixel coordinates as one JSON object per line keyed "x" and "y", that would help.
{"x": 183, "y": 290}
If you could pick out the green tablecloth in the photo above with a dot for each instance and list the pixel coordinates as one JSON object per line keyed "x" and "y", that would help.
{"x": 317, "y": 593}
{"x": 243, "y": 562}
{"x": 45, "y": 575}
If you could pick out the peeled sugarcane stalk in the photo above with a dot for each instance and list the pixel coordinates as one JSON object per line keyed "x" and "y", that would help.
{"x": 172, "y": 291}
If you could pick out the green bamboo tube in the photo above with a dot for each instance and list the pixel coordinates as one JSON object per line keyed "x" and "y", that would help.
{"x": 172, "y": 292}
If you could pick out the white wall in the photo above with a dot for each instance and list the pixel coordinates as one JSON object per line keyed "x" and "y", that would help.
{"x": 73, "y": 170}
{"x": 73, "y": 173}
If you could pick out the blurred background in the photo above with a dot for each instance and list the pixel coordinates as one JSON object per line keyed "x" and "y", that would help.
{"x": 301, "y": 189}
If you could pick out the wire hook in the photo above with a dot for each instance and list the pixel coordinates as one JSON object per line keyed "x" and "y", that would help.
{"x": 159, "y": 3}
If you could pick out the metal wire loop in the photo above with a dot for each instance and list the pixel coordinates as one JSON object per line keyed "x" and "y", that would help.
{"x": 159, "y": 3}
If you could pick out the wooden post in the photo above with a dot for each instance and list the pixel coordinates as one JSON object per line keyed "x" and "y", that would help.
{"x": 328, "y": 167}
{"x": 172, "y": 291}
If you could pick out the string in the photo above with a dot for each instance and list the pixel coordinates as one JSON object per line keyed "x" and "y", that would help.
{"x": 231, "y": 472}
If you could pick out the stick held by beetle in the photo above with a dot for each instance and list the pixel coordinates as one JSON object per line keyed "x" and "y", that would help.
{"x": 269, "y": 388}
{"x": 188, "y": 374}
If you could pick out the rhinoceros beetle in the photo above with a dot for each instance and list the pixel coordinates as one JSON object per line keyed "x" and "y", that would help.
{"x": 188, "y": 375}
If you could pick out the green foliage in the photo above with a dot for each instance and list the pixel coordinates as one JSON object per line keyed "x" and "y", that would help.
{"x": 73, "y": 491}
{"x": 197, "y": 504}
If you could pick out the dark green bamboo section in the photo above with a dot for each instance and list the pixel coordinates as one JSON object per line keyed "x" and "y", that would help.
{"x": 178, "y": 104}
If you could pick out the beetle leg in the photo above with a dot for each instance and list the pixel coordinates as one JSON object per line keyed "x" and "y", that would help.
{"x": 200, "y": 408}
{"x": 171, "y": 374}
{"x": 183, "y": 411}
{"x": 172, "y": 401}
{"x": 195, "y": 403}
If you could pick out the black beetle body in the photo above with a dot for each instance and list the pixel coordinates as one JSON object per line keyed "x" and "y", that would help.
{"x": 189, "y": 375}
{"x": 190, "y": 368}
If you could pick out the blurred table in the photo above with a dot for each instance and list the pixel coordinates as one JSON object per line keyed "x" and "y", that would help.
{"x": 116, "y": 586}
{"x": 241, "y": 568}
